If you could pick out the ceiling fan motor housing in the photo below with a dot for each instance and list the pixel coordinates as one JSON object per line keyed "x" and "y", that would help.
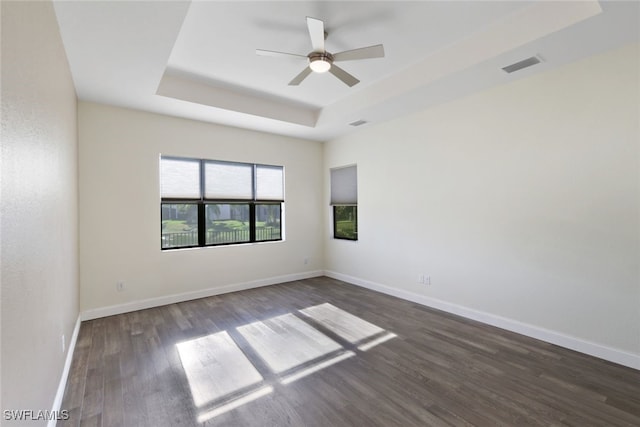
{"x": 320, "y": 61}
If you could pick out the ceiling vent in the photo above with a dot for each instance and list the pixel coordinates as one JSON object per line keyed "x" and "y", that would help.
{"x": 358, "y": 123}
{"x": 522, "y": 64}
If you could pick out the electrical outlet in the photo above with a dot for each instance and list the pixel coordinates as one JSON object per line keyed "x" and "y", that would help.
{"x": 306, "y": 260}
{"x": 120, "y": 286}
{"x": 423, "y": 279}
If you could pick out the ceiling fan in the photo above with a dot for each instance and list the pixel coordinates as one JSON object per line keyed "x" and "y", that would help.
{"x": 321, "y": 61}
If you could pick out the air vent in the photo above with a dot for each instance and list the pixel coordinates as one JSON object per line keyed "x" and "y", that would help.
{"x": 358, "y": 123}
{"x": 522, "y": 64}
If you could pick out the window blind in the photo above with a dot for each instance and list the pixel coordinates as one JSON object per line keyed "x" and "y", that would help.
{"x": 228, "y": 181}
{"x": 269, "y": 183}
{"x": 344, "y": 185}
{"x": 179, "y": 178}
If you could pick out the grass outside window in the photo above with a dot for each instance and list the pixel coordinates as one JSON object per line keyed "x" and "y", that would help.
{"x": 345, "y": 222}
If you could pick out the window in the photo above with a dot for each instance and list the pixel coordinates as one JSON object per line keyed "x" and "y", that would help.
{"x": 344, "y": 199}
{"x": 210, "y": 202}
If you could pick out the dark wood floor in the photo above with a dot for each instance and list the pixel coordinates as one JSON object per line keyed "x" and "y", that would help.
{"x": 439, "y": 369}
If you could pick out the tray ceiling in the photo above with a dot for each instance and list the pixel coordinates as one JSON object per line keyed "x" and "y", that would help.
{"x": 197, "y": 59}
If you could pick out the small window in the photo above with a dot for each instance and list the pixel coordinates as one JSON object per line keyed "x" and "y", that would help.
{"x": 345, "y": 222}
{"x": 344, "y": 199}
{"x": 210, "y": 202}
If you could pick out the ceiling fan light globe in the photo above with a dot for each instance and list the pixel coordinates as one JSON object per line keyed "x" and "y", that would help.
{"x": 320, "y": 65}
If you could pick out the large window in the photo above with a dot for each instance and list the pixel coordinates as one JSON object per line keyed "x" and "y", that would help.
{"x": 209, "y": 202}
{"x": 344, "y": 199}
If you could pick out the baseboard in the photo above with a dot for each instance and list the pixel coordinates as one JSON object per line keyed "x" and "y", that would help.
{"x": 57, "y": 401}
{"x": 111, "y": 310}
{"x": 553, "y": 337}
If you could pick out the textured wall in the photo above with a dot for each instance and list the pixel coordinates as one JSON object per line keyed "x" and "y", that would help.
{"x": 38, "y": 225}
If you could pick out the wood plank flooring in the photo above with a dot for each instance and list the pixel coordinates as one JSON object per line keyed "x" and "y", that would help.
{"x": 320, "y": 352}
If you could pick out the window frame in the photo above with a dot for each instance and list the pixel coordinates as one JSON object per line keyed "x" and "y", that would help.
{"x": 202, "y": 202}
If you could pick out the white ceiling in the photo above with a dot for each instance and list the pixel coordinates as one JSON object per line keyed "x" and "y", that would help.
{"x": 197, "y": 59}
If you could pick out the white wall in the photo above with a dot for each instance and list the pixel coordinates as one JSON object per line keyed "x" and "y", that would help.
{"x": 38, "y": 221}
{"x": 521, "y": 202}
{"x": 120, "y": 210}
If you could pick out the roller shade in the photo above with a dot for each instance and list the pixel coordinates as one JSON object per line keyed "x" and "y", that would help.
{"x": 230, "y": 181}
{"x": 344, "y": 185}
{"x": 179, "y": 178}
{"x": 269, "y": 183}
{"x": 193, "y": 179}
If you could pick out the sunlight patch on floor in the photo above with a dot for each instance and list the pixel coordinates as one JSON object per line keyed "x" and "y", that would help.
{"x": 215, "y": 367}
{"x": 286, "y": 341}
{"x": 223, "y": 378}
{"x": 236, "y": 403}
{"x": 342, "y": 323}
{"x": 370, "y": 344}
{"x": 317, "y": 367}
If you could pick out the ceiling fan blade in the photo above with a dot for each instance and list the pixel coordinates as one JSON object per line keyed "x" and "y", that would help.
{"x": 316, "y": 32}
{"x": 376, "y": 51}
{"x": 346, "y": 78}
{"x": 275, "y": 54}
{"x": 300, "y": 77}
